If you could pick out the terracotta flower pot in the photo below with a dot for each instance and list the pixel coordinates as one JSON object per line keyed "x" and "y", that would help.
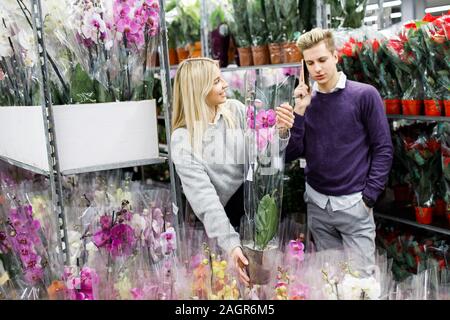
{"x": 195, "y": 50}
{"x": 393, "y": 106}
{"x": 233, "y": 54}
{"x": 447, "y": 107}
{"x": 433, "y": 108}
{"x": 424, "y": 215}
{"x": 259, "y": 270}
{"x": 291, "y": 52}
{"x": 275, "y": 53}
{"x": 245, "y": 56}
{"x": 261, "y": 55}
{"x": 182, "y": 54}
{"x": 412, "y": 107}
{"x": 173, "y": 58}
{"x": 440, "y": 208}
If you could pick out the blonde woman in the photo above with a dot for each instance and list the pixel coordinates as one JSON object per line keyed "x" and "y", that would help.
{"x": 207, "y": 148}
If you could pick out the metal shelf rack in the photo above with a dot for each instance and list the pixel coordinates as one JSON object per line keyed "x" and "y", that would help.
{"x": 54, "y": 173}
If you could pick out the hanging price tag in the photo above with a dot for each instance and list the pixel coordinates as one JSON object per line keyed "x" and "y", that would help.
{"x": 302, "y": 163}
{"x": 250, "y": 174}
{"x": 174, "y": 208}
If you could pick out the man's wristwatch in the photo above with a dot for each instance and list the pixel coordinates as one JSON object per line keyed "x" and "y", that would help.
{"x": 368, "y": 202}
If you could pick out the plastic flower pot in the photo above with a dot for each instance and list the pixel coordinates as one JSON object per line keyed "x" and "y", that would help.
{"x": 261, "y": 55}
{"x": 291, "y": 52}
{"x": 393, "y": 106}
{"x": 433, "y": 108}
{"x": 245, "y": 56}
{"x": 275, "y": 53}
{"x": 173, "y": 58}
{"x": 412, "y": 107}
{"x": 402, "y": 193}
{"x": 182, "y": 54}
{"x": 424, "y": 215}
{"x": 448, "y": 217}
{"x": 440, "y": 208}
{"x": 259, "y": 268}
{"x": 447, "y": 107}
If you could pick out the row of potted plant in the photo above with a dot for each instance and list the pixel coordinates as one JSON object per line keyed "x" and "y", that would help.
{"x": 251, "y": 32}
{"x": 183, "y": 27}
{"x": 411, "y": 69}
{"x": 420, "y": 173}
{"x": 412, "y": 253}
{"x": 265, "y": 31}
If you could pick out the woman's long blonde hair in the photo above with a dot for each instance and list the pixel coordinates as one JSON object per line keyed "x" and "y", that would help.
{"x": 193, "y": 81}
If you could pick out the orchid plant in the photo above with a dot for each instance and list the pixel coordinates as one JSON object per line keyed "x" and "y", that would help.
{"x": 18, "y": 58}
{"x": 115, "y": 234}
{"x": 98, "y": 50}
{"x": 264, "y": 154}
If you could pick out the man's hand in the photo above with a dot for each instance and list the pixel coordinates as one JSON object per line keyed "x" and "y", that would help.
{"x": 240, "y": 262}
{"x": 302, "y": 97}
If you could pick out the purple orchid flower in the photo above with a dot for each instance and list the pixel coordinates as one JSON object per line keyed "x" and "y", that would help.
{"x": 122, "y": 240}
{"x": 25, "y": 241}
{"x": 81, "y": 287}
{"x": 250, "y": 117}
{"x": 169, "y": 241}
{"x": 265, "y": 118}
{"x": 296, "y": 250}
{"x": 106, "y": 222}
{"x": 263, "y": 137}
{"x": 101, "y": 238}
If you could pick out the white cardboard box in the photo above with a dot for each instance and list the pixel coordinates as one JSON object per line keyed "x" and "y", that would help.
{"x": 89, "y": 136}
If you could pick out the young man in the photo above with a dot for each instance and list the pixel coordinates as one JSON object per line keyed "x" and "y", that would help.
{"x": 342, "y": 131}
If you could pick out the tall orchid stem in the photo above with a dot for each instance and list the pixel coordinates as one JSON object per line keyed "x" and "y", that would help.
{"x": 26, "y": 12}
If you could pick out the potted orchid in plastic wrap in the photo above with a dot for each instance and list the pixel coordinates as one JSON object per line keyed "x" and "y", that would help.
{"x": 264, "y": 166}
{"x": 25, "y": 249}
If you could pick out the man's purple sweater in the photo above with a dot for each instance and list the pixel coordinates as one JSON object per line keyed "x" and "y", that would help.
{"x": 345, "y": 139}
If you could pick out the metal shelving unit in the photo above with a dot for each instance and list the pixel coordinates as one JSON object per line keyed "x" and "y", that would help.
{"x": 128, "y": 164}
{"x": 55, "y": 174}
{"x": 413, "y": 223}
{"x": 419, "y": 118}
{"x": 50, "y": 134}
{"x": 269, "y": 66}
{"x": 166, "y": 85}
{"x": 24, "y": 166}
{"x": 405, "y": 220}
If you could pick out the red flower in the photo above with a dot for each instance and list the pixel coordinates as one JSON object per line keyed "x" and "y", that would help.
{"x": 359, "y": 44}
{"x": 347, "y": 50}
{"x": 446, "y": 162}
{"x": 375, "y": 45}
{"x": 410, "y": 25}
{"x": 429, "y": 18}
{"x": 433, "y": 145}
{"x": 397, "y": 45}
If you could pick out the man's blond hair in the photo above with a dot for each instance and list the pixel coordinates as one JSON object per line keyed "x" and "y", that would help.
{"x": 314, "y": 37}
